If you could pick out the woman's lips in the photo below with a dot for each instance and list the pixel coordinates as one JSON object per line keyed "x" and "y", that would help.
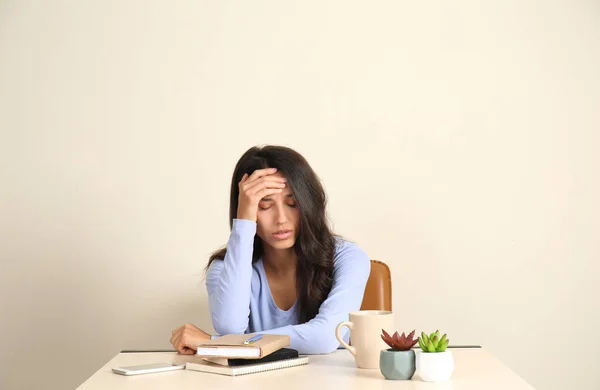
{"x": 282, "y": 235}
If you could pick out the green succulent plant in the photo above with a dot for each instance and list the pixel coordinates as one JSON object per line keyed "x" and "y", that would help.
{"x": 433, "y": 342}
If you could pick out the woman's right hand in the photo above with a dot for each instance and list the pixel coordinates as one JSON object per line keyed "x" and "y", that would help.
{"x": 253, "y": 188}
{"x": 186, "y": 338}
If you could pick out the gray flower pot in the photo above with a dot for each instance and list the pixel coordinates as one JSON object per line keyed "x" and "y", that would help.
{"x": 397, "y": 365}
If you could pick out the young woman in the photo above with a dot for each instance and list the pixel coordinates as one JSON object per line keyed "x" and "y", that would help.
{"x": 283, "y": 271}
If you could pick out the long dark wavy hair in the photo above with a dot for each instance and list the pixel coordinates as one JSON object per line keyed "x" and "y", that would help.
{"x": 315, "y": 245}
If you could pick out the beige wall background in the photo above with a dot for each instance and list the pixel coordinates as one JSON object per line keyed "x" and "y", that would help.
{"x": 458, "y": 141}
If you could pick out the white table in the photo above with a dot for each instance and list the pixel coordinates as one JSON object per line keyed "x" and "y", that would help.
{"x": 475, "y": 369}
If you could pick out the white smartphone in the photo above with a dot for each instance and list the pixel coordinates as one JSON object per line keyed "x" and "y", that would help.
{"x": 147, "y": 368}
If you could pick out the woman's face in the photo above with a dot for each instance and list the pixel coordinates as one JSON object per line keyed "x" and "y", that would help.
{"x": 278, "y": 219}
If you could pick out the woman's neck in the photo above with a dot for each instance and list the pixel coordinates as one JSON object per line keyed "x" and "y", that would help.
{"x": 280, "y": 262}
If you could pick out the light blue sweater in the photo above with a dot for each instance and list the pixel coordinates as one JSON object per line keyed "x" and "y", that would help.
{"x": 240, "y": 300}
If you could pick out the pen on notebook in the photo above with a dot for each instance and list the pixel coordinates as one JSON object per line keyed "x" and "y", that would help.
{"x": 253, "y": 339}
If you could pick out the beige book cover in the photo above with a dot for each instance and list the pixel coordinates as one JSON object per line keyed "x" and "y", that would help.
{"x": 232, "y": 346}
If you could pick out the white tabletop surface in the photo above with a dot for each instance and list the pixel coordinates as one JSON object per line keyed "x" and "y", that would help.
{"x": 475, "y": 369}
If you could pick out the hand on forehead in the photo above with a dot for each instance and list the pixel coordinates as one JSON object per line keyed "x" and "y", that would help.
{"x": 279, "y": 174}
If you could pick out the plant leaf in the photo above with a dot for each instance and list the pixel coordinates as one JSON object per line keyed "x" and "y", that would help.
{"x": 388, "y": 341}
{"x": 442, "y": 347}
{"x": 396, "y": 338}
{"x": 385, "y": 333}
{"x": 402, "y": 339}
{"x": 387, "y": 338}
{"x": 430, "y": 347}
{"x": 443, "y": 339}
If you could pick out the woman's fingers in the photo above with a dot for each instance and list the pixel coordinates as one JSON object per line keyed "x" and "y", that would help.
{"x": 175, "y": 342}
{"x": 176, "y": 334}
{"x": 187, "y": 341}
{"x": 268, "y": 191}
{"x": 261, "y": 172}
{"x": 185, "y": 338}
{"x": 186, "y": 344}
{"x": 180, "y": 345}
{"x": 253, "y": 184}
{"x": 259, "y": 175}
{"x": 259, "y": 185}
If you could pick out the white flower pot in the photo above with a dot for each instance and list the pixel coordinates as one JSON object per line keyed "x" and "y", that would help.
{"x": 434, "y": 366}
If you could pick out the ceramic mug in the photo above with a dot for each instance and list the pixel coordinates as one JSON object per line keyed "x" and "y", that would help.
{"x": 365, "y": 335}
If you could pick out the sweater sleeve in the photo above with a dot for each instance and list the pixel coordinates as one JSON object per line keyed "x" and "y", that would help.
{"x": 228, "y": 281}
{"x": 317, "y": 336}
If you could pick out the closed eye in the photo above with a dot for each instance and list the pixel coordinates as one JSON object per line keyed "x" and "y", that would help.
{"x": 294, "y": 205}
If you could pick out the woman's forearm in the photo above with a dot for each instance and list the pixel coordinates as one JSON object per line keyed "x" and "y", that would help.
{"x": 228, "y": 281}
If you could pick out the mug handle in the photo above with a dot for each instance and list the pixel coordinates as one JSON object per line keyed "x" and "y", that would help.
{"x": 337, "y": 336}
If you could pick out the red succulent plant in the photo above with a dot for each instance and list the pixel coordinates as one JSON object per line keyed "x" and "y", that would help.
{"x": 399, "y": 342}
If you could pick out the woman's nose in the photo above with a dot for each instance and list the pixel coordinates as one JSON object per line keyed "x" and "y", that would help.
{"x": 280, "y": 217}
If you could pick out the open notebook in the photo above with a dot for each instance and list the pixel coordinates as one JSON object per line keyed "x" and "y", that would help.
{"x": 205, "y": 366}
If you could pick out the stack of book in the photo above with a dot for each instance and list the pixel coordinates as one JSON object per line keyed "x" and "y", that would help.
{"x": 240, "y": 354}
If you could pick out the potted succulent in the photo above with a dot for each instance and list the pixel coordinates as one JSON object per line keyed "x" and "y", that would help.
{"x": 434, "y": 362}
{"x": 398, "y": 362}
